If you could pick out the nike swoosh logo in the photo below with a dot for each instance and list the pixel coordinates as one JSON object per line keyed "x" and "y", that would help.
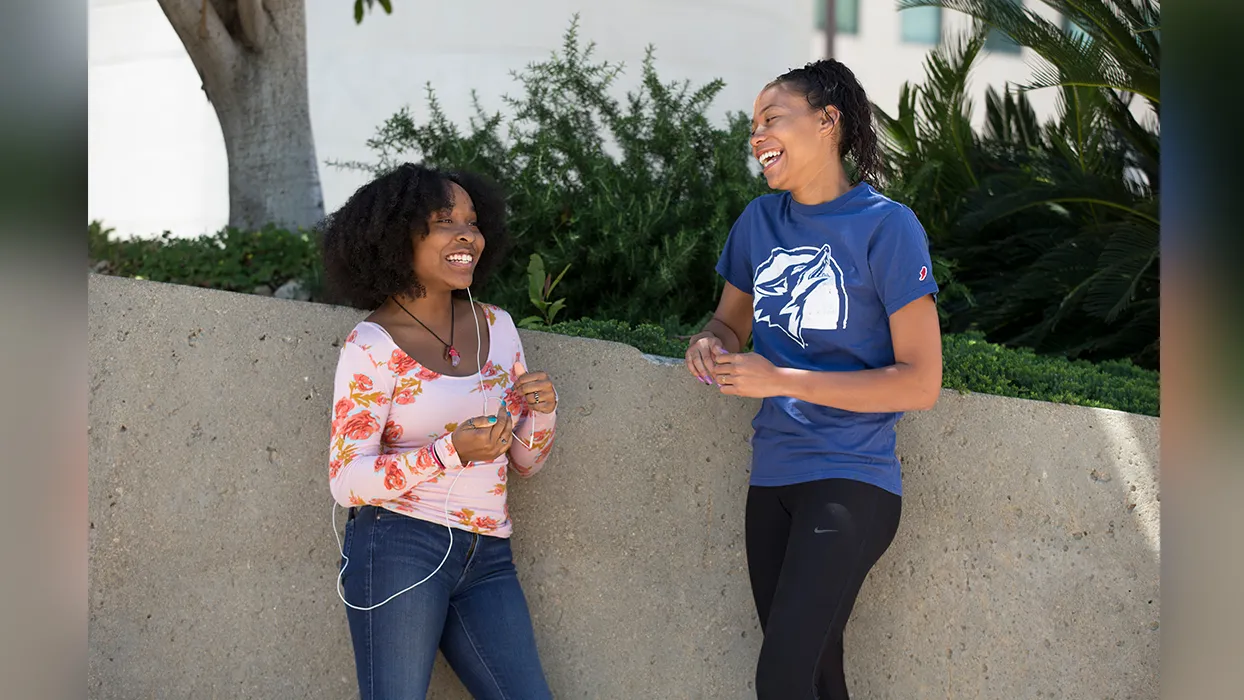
{"x": 820, "y": 531}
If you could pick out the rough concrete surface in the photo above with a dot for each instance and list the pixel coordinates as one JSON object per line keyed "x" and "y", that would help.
{"x": 1026, "y": 566}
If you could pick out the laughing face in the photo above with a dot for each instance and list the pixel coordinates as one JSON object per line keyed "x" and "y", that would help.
{"x": 790, "y": 139}
{"x": 447, "y": 256}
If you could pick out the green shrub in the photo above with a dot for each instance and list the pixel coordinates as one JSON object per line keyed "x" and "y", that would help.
{"x": 1054, "y": 225}
{"x": 645, "y": 337}
{"x": 235, "y": 261}
{"x": 232, "y": 260}
{"x": 970, "y": 363}
{"x": 636, "y": 195}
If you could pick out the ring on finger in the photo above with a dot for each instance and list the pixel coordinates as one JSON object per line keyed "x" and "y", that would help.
{"x": 536, "y": 397}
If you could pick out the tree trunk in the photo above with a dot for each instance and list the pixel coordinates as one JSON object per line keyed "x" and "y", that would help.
{"x": 252, "y": 57}
{"x": 266, "y": 124}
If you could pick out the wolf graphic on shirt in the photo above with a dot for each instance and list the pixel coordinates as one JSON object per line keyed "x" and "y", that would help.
{"x": 800, "y": 289}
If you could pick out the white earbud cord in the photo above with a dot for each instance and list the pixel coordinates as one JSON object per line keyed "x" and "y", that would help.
{"x": 479, "y": 365}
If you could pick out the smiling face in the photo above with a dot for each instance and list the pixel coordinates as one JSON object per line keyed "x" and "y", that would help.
{"x": 792, "y": 141}
{"x": 447, "y": 256}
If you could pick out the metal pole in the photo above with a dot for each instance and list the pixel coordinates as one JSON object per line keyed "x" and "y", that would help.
{"x": 831, "y": 26}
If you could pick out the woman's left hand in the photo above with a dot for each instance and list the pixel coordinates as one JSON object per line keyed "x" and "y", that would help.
{"x": 746, "y": 374}
{"x": 536, "y": 389}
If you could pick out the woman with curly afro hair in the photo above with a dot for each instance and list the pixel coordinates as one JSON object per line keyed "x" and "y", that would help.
{"x": 832, "y": 282}
{"x": 432, "y": 408}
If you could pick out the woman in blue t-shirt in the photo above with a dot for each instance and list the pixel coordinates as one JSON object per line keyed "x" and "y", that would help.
{"x": 832, "y": 281}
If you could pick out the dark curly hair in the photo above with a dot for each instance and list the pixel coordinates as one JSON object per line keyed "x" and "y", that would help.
{"x": 828, "y": 82}
{"x": 367, "y": 243}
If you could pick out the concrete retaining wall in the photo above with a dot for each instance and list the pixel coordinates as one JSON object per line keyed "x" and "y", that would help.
{"x": 1027, "y": 564}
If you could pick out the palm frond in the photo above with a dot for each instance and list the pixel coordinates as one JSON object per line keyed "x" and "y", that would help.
{"x": 1056, "y": 196}
{"x": 899, "y": 133}
{"x": 1109, "y": 55}
{"x": 1130, "y": 253}
{"x": 944, "y": 95}
{"x": 1053, "y": 226}
{"x": 1010, "y": 118}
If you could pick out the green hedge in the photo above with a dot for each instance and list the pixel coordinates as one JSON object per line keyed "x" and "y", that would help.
{"x": 646, "y": 337}
{"x": 241, "y": 261}
{"x": 970, "y": 363}
{"x": 232, "y": 260}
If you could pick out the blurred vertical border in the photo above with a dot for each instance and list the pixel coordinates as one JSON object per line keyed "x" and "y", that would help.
{"x": 43, "y": 421}
{"x": 1203, "y": 352}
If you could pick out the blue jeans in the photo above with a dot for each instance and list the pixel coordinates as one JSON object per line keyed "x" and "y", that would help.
{"x": 473, "y": 609}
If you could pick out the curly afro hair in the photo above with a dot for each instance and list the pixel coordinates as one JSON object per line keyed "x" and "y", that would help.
{"x": 366, "y": 244}
{"x": 828, "y": 82}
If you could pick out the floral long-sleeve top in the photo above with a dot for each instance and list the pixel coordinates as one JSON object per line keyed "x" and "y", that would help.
{"x": 392, "y": 428}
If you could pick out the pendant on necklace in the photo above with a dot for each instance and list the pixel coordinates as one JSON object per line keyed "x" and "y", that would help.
{"x": 451, "y": 354}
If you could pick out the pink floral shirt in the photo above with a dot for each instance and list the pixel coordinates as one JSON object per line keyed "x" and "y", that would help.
{"x": 392, "y": 423}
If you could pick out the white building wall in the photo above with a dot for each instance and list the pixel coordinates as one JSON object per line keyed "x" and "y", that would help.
{"x": 883, "y": 61}
{"x": 157, "y": 160}
{"x": 155, "y": 156}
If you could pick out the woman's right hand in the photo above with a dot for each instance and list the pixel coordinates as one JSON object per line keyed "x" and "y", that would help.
{"x": 700, "y": 353}
{"x": 483, "y": 438}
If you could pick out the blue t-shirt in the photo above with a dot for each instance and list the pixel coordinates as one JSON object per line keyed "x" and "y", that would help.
{"x": 824, "y": 280}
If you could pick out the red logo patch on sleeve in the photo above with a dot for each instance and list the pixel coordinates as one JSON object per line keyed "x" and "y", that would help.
{"x": 924, "y": 272}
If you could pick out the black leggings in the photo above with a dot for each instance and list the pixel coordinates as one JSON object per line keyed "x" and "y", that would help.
{"x": 809, "y": 547}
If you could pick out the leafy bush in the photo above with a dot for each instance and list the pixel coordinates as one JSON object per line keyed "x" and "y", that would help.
{"x": 970, "y": 364}
{"x": 645, "y": 336}
{"x": 232, "y": 260}
{"x": 636, "y": 195}
{"x": 540, "y": 286}
{"x": 1042, "y": 234}
{"x": 1052, "y": 227}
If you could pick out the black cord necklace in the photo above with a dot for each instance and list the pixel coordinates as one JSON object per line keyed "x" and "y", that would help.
{"x": 451, "y": 353}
